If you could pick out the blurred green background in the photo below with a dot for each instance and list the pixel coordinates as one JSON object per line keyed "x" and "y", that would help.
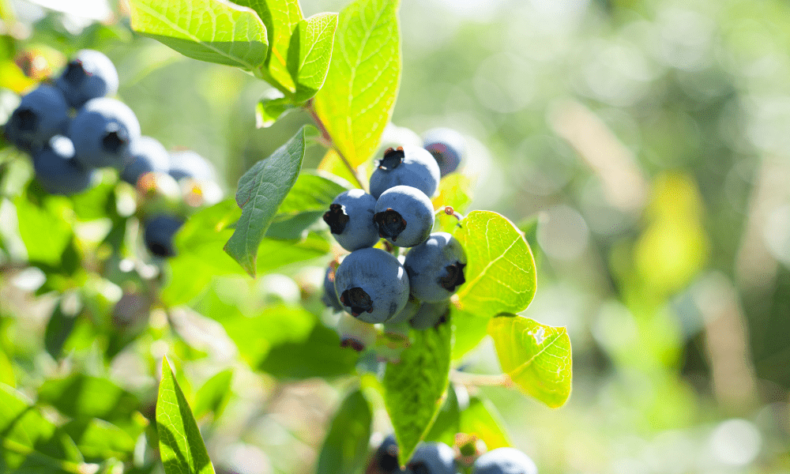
{"x": 652, "y": 141}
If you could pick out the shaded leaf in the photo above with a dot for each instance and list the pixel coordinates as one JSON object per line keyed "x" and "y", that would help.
{"x": 310, "y": 52}
{"x": 44, "y": 230}
{"x": 214, "y": 394}
{"x": 216, "y": 31}
{"x": 359, "y": 94}
{"x": 345, "y": 447}
{"x": 271, "y": 107}
{"x": 98, "y": 440}
{"x": 85, "y": 396}
{"x": 261, "y": 190}
{"x": 536, "y": 357}
{"x": 58, "y": 330}
{"x": 180, "y": 444}
{"x": 413, "y": 387}
{"x": 30, "y": 443}
{"x": 500, "y": 272}
{"x": 448, "y": 420}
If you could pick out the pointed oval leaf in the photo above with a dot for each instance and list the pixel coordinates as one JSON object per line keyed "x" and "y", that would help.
{"x": 310, "y": 53}
{"x": 216, "y": 31}
{"x": 359, "y": 94}
{"x": 85, "y": 396}
{"x": 280, "y": 18}
{"x": 261, "y": 191}
{"x": 500, "y": 272}
{"x": 536, "y": 357}
{"x": 482, "y": 419}
{"x": 271, "y": 107}
{"x": 180, "y": 444}
{"x": 346, "y": 444}
{"x": 214, "y": 394}
{"x": 413, "y": 387}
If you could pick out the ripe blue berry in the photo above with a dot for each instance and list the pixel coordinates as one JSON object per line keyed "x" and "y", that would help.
{"x": 159, "y": 232}
{"x": 433, "y": 458}
{"x": 409, "y": 165}
{"x": 408, "y": 311}
{"x": 147, "y": 155}
{"x": 330, "y": 298}
{"x": 504, "y": 461}
{"x": 188, "y": 164}
{"x": 350, "y": 219}
{"x": 436, "y": 267}
{"x": 41, "y": 114}
{"x": 385, "y": 460}
{"x": 430, "y": 315}
{"x": 371, "y": 285}
{"x": 88, "y": 76}
{"x": 56, "y": 169}
{"x": 404, "y": 216}
{"x": 447, "y": 146}
{"x": 102, "y": 133}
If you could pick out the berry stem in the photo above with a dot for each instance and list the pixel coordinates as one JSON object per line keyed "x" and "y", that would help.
{"x": 481, "y": 380}
{"x": 329, "y": 143}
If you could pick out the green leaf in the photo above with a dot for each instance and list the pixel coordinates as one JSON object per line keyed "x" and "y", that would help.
{"x": 214, "y": 394}
{"x": 469, "y": 329}
{"x": 180, "y": 444}
{"x": 216, "y": 31}
{"x": 44, "y": 230}
{"x": 359, "y": 94}
{"x": 448, "y": 420}
{"x": 260, "y": 192}
{"x": 482, "y": 419}
{"x": 413, "y": 387}
{"x": 58, "y": 329}
{"x": 536, "y": 357}
{"x": 281, "y": 18}
{"x": 271, "y": 107}
{"x": 84, "y": 396}
{"x": 319, "y": 355}
{"x": 98, "y": 440}
{"x": 310, "y": 52}
{"x": 29, "y": 442}
{"x": 500, "y": 272}
{"x": 345, "y": 447}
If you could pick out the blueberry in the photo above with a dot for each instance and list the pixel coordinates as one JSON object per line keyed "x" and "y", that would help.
{"x": 430, "y": 315}
{"x": 354, "y": 333}
{"x": 188, "y": 164}
{"x": 436, "y": 267}
{"x": 350, "y": 219}
{"x": 159, "y": 232}
{"x": 41, "y": 114}
{"x": 447, "y": 146}
{"x": 147, "y": 155}
{"x": 372, "y": 285}
{"x": 409, "y": 165}
{"x": 408, "y": 311}
{"x": 88, "y": 76}
{"x": 433, "y": 458}
{"x": 504, "y": 461}
{"x": 385, "y": 460}
{"x": 56, "y": 169}
{"x": 102, "y": 132}
{"x": 158, "y": 193}
{"x": 404, "y": 216}
{"x": 330, "y": 298}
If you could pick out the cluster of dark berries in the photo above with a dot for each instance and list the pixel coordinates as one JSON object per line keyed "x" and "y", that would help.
{"x": 373, "y": 285}
{"x": 72, "y": 128}
{"x": 439, "y": 458}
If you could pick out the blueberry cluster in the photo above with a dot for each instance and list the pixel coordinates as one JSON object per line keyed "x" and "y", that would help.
{"x": 72, "y": 128}
{"x": 439, "y": 458}
{"x": 373, "y": 285}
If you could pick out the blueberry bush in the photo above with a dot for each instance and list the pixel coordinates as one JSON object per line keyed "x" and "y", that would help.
{"x": 366, "y": 269}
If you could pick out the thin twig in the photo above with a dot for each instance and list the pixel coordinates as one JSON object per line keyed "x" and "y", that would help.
{"x": 479, "y": 380}
{"x": 327, "y": 140}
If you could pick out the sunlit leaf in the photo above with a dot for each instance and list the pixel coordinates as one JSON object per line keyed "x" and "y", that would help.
{"x": 500, "y": 272}
{"x": 214, "y": 394}
{"x": 271, "y": 107}
{"x": 536, "y": 357}
{"x": 216, "y": 31}
{"x": 482, "y": 419}
{"x": 359, "y": 94}
{"x": 86, "y": 396}
{"x": 98, "y": 440}
{"x": 310, "y": 53}
{"x": 180, "y": 443}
